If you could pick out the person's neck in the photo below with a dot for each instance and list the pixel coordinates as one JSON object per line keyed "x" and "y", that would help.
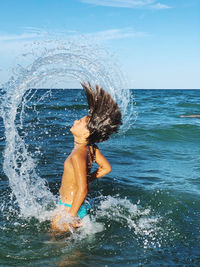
{"x": 79, "y": 142}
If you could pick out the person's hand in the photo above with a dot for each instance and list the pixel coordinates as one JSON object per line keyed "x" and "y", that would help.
{"x": 76, "y": 223}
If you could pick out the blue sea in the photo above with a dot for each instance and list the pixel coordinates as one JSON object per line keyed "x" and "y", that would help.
{"x": 146, "y": 212}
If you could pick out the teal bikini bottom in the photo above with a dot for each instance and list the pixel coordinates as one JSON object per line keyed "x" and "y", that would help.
{"x": 82, "y": 212}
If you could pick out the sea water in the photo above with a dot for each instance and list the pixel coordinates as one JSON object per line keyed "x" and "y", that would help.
{"x": 144, "y": 213}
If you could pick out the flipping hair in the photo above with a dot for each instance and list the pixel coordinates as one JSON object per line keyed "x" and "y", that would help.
{"x": 104, "y": 114}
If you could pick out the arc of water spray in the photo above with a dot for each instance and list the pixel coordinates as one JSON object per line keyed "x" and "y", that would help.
{"x": 77, "y": 62}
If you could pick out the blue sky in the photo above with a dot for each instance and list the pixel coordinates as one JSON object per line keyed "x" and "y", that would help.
{"x": 156, "y": 42}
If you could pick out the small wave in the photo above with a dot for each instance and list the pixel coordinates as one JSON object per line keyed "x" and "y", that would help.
{"x": 189, "y": 105}
{"x": 173, "y": 132}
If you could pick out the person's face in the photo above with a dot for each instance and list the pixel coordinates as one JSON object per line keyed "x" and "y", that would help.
{"x": 79, "y": 127}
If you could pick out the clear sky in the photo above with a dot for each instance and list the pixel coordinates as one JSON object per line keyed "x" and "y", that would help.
{"x": 157, "y": 42}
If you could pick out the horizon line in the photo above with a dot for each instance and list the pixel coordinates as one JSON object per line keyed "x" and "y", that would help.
{"x": 45, "y": 88}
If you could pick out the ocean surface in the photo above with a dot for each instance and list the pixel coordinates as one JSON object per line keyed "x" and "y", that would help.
{"x": 146, "y": 212}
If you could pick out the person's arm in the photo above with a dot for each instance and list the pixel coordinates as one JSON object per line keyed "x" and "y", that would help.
{"x": 104, "y": 166}
{"x": 80, "y": 172}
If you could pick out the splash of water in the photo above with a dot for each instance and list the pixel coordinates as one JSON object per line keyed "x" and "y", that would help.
{"x": 139, "y": 222}
{"x": 56, "y": 62}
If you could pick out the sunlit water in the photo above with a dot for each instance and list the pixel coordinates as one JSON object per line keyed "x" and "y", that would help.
{"x": 144, "y": 213}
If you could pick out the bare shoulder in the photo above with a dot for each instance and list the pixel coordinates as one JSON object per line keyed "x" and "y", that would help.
{"x": 79, "y": 153}
{"x": 79, "y": 160}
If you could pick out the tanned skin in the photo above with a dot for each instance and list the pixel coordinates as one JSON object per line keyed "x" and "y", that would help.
{"x": 74, "y": 185}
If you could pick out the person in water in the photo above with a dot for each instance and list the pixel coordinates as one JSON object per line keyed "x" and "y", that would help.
{"x": 190, "y": 116}
{"x": 103, "y": 119}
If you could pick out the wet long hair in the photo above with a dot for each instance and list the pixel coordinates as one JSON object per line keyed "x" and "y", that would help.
{"x": 104, "y": 114}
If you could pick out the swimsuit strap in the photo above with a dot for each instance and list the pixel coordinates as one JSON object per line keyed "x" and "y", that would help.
{"x": 65, "y": 204}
